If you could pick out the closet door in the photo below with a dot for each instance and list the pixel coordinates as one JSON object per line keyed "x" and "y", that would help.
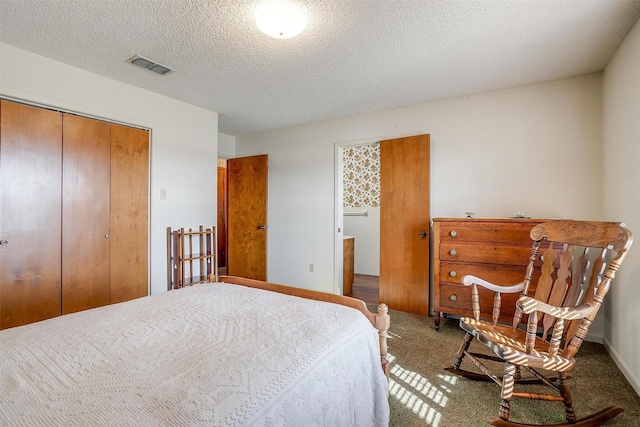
{"x": 30, "y": 197}
{"x": 129, "y": 213}
{"x": 85, "y": 213}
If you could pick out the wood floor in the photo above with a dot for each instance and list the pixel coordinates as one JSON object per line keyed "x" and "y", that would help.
{"x": 366, "y": 288}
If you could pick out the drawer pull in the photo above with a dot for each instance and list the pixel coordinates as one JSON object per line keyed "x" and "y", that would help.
{"x": 453, "y": 273}
{"x": 453, "y": 298}
{"x": 453, "y": 252}
{"x": 453, "y": 233}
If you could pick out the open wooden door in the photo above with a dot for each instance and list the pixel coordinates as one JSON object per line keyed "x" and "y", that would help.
{"x": 247, "y": 217}
{"x": 405, "y": 223}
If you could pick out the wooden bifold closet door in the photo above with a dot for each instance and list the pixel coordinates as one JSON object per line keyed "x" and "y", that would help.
{"x": 30, "y": 213}
{"x": 85, "y": 213}
{"x": 73, "y": 213}
{"x": 129, "y": 213}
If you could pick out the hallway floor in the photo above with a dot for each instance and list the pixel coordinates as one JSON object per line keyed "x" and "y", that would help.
{"x": 365, "y": 287}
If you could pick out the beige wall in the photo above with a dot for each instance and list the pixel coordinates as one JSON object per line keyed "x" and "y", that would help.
{"x": 621, "y": 126}
{"x": 533, "y": 148}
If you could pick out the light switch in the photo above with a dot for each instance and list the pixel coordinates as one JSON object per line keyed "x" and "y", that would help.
{"x": 163, "y": 194}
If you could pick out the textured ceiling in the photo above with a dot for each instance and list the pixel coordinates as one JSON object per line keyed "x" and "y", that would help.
{"x": 355, "y": 56}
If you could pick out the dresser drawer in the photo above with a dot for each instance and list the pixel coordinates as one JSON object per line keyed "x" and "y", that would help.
{"x": 457, "y": 299}
{"x": 494, "y": 249}
{"x": 487, "y": 233}
{"x": 499, "y": 275}
{"x": 489, "y": 254}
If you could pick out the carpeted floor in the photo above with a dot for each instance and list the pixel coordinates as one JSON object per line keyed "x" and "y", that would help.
{"x": 423, "y": 394}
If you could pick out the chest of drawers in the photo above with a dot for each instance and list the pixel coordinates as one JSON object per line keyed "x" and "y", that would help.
{"x": 496, "y": 250}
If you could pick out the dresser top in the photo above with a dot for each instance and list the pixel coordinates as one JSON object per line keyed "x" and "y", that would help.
{"x": 481, "y": 220}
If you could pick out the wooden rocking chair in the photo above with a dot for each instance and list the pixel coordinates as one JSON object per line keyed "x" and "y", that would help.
{"x": 579, "y": 260}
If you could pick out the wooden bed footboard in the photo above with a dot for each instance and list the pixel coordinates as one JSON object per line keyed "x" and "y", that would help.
{"x": 380, "y": 321}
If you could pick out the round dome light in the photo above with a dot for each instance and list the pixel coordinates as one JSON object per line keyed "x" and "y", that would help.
{"x": 281, "y": 20}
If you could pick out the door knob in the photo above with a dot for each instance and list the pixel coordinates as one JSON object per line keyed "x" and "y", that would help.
{"x": 106, "y": 236}
{"x": 423, "y": 234}
{"x": 262, "y": 227}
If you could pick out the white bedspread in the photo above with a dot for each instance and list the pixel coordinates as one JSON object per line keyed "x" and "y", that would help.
{"x": 211, "y": 354}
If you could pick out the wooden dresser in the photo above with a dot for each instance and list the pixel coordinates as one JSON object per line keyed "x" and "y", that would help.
{"x": 493, "y": 249}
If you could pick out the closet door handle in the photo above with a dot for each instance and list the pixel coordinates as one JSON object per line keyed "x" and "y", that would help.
{"x": 423, "y": 234}
{"x": 106, "y": 236}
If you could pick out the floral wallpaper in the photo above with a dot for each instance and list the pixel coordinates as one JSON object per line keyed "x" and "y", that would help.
{"x": 361, "y": 176}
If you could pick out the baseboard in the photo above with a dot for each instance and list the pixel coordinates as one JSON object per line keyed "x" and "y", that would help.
{"x": 597, "y": 338}
{"x": 635, "y": 383}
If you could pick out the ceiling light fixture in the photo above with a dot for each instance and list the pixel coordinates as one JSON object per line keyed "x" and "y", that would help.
{"x": 281, "y": 20}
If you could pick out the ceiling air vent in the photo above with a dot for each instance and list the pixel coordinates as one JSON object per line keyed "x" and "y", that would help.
{"x": 150, "y": 65}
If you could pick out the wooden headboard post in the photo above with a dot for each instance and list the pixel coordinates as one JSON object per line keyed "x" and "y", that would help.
{"x": 382, "y": 323}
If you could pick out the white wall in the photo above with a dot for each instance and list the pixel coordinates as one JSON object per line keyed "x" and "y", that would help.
{"x": 184, "y": 138}
{"x": 226, "y": 146}
{"x": 534, "y": 148}
{"x": 366, "y": 230}
{"x": 621, "y": 127}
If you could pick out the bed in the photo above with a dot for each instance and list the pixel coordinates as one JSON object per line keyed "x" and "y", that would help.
{"x": 237, "y": 352}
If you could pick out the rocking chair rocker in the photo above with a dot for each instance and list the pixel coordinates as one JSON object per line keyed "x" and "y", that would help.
{"x": 575, "y": 277}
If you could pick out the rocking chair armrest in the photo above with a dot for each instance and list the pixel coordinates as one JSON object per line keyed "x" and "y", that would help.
{"x": 528, "y": 305}
{"x": 469, "y": 280}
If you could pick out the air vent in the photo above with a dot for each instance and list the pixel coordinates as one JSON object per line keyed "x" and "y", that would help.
{"x": 149, "y": 65}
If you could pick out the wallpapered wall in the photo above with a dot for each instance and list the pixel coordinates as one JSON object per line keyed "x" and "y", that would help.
{"x": 361, "y": 176}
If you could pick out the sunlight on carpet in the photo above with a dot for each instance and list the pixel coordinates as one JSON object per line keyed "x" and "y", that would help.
{"x": 418, "y": 394}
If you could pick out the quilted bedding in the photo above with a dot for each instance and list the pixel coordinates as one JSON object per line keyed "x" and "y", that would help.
{"x": 210, "y": 354}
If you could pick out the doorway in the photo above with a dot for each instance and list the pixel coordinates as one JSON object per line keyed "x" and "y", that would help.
{"x": 247, "y": 216}
{"x": 404, "y": 221}
{"x": 222, "y": 228}
{"x": 361, "y": 216}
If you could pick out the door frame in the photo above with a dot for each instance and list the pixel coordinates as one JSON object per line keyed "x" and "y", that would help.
{"x": 338, "y": 229}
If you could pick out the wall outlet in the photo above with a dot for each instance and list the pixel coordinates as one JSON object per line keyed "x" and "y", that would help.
{"x": 311, "y": 268}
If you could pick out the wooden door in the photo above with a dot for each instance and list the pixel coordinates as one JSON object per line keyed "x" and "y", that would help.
{"x": 85, "y": 213}
{"x": 221, "y": 229}
{"x": 129, "y": 265}
{"x": 30, "y": 213}
{"x": 247, "y": 220}
{"x": 404, "y": 224}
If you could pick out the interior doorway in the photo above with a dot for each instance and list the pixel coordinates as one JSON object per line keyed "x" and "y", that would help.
{"x": 242, "y": 216}
{"x": 404, "y": 218}
{"x": 358, "y": 219}
{"x": 361, "y": 216}
{"x": 247, "y": 216}
{"x": 222, "y": 228}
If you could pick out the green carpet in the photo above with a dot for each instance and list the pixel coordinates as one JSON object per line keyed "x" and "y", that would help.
{"x": 423, "y": 394}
